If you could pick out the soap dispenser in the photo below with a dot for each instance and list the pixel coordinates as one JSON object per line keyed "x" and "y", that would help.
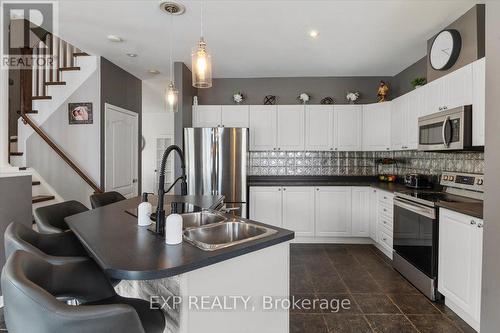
{"x": 173, "y": 227}
{"x": 144, "y": 211}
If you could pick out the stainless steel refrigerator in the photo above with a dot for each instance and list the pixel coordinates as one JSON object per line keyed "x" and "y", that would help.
{"x": 216, "y": 164}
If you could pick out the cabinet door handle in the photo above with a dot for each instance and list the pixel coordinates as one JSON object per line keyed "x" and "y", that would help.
{"x": 440, "y": 108}
{"x": 317, "y": 189}
{"x": 284, "y": 188}
{"x": 279, "y": 189}
{"x": 480, "y": 225}
{"x": 472, "y": 222}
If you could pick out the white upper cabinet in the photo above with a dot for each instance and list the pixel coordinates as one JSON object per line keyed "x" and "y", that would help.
{"x": 220, "y": 116}
{"x": 399, "y": 123}
{"x": 234, "y": 115}
{"x": 319, "y": 127}
{"x": 377, "y": 126}
{"x": 478, "y": 102}
{"x": 333, "y": 211}
{"x": 263, "y": 127}
{"x": 348, "y": 122}
{"x": 450, "y": 91}
{"x": 298, "y": 210}
{"x": 207, "y": 116}
{"x": 416, "y": 109}
{"x": 458, "y": 88}
{"x": 291, "y": 127}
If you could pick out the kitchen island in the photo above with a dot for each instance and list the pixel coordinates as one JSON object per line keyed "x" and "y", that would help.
{"x": 192, "y": 286}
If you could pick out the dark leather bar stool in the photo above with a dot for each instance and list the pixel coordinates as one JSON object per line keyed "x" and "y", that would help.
{"x": 50, "y": 219}
{"x": 104, "y": 199}
{"x": 31, "y": 285}
{"x": 56, "y": 248}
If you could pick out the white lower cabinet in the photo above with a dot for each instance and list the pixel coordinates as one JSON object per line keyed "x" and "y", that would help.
{"x": 373, "y": 214}
{"x": 385, "y": 215}
{"x": 298, "y": 210}
{"x": 361, "y": 211}
{"x": 265, "y": 205}
{"x": 322, "y": 211}
{"x": 460, "y": 262}
{"x": 333, "y": 211}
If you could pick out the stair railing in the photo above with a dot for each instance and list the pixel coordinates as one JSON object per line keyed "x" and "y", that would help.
{"x": 34, "y": 81}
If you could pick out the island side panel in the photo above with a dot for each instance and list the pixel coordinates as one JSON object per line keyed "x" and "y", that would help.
{"x": 257, "y": 274}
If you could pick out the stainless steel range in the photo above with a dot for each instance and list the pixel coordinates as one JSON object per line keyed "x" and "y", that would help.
{"x": 416, "y": 227}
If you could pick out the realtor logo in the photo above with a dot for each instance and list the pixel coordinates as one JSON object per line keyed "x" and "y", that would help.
{"x": 25, "y": 27}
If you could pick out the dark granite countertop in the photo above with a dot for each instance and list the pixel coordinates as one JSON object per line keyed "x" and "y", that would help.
{"x": 125, "y": 251}
{"x": 474, "y": 209}
{"x": 324, "y": 181}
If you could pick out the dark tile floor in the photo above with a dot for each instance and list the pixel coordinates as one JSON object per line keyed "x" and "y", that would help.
{"x": 380, "y": 299}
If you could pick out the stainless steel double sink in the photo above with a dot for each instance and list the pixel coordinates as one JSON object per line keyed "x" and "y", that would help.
{"x": 210, "y": 230}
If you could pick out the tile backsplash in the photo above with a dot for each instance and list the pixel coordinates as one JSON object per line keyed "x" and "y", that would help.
{"x": 328, "y": 163}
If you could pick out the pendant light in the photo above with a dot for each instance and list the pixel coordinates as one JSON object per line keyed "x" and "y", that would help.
{"x": 171, "y": 94}
{"x": 201, "y": 61}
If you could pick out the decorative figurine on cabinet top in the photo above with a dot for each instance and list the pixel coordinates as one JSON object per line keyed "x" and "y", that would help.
{"x": 383, "y": 91}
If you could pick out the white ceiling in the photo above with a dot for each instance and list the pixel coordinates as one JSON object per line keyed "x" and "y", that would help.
{"x": 263, "y": 38}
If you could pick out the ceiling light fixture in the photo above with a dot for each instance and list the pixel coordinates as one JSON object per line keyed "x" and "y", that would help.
{"x": 171, "y": 94}
{"x": 314, "y": 33}
{"x": 201, "y": 61}
{"x": 115, "y": 39}
{"x": 154, "y": 71}
{"x": 172, "y": 8}
{"x": 132, "y": 55}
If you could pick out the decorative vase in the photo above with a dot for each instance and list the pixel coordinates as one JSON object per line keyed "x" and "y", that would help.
{"x": 351, "y": 102}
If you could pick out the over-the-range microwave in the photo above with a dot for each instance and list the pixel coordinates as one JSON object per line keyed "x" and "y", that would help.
{"x": 447, "y": 130}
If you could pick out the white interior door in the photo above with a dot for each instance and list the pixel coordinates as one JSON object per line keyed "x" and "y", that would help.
{"x": 120, "y": 150}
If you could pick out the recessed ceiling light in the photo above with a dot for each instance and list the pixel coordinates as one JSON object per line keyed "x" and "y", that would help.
{"x": 114, "y": 38}
{"x": 132, "y": 55}
{"x": 154, "y": 71}
{"x": 314, "y": 33}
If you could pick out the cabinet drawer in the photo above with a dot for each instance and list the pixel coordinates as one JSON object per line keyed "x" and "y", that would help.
{"x": 385, "y": 221}
{"x": 386, "y": 209}
{"x": 385, "y": 198}
{"x": 384, "y": 238}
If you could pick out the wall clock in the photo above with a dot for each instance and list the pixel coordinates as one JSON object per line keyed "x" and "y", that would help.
{"x": 445, "y": 49}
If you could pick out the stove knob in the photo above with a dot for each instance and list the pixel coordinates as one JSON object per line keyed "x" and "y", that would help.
{"x": 445, "y": 177}
{"x": 451, "y": 178}
{"x": 480, "y": 181}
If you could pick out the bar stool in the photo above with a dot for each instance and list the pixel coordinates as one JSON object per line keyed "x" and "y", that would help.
{"x": 31, "y": 285}
{"x": 50, "y": 219}
{"x": 103, "y": 199}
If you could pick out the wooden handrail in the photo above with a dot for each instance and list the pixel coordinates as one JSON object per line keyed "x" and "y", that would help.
{"x": 59, "y": 152}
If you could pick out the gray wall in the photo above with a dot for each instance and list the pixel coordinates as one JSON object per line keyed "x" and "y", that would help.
{"x": 15, "y": 205}
{"x": 183, "y": 118}
{"x": 122, "y": 89}
{"x": 401, "y": 83}
{"x": 471, "y": 28}
{"x": 490, "y": 307}
{"x": 288, "y": 88}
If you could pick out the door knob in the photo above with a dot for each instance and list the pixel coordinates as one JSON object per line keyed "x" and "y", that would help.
{"x": 134, "y": 180}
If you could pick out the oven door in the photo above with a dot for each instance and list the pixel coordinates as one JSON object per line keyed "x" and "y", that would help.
{"x": 416, "y": 235}
{"x": 447, "y": 130}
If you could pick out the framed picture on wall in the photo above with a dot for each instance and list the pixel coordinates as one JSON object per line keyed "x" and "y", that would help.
{"x": 80, "y": 113}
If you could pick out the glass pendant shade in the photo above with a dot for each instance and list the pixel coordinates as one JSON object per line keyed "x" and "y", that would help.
{"x": 171, "y": 98}
{"x": 201, "y": 62}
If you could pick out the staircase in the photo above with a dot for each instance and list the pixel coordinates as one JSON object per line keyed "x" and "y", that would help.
{"x": 44, "y": 88}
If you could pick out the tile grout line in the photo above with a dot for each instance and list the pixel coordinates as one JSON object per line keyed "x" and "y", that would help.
{"x": 387, "y": 295}
{"x": 348, "y": 293}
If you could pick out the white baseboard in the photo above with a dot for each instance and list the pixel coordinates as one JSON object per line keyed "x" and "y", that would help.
{"x": 333, "y": 240}
{"x": 462, "y": 314}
